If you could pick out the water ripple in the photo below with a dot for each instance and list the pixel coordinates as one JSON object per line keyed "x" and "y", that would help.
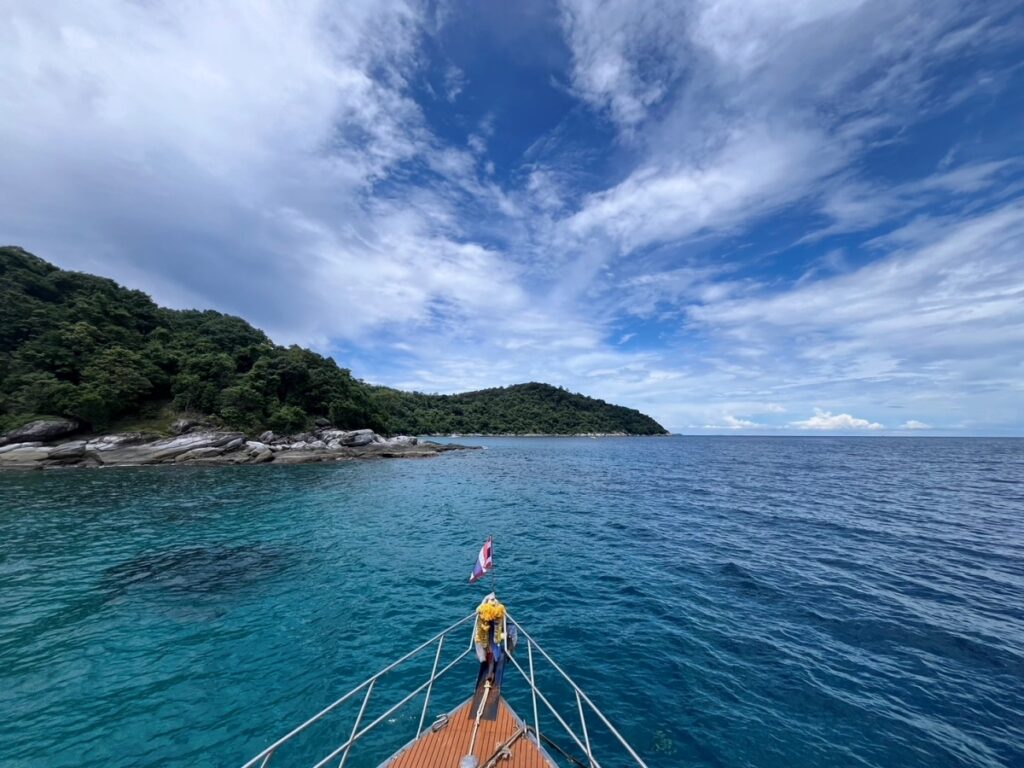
{"x": 728, "y": 602}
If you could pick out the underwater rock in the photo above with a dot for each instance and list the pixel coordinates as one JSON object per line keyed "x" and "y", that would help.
{"x": 203, "y": 570}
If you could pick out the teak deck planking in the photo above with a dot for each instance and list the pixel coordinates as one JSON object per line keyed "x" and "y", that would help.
{"x": 443, "y": 748}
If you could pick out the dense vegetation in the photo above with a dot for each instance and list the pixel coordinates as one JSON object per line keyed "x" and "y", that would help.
{"x": 77, "y": 345}
{"x": 521, "y": 409}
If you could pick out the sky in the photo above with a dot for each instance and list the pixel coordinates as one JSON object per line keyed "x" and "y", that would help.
{"x": 738, "y": 216}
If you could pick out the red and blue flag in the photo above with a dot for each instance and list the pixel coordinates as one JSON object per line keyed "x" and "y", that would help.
{"x": 484, "y": 561}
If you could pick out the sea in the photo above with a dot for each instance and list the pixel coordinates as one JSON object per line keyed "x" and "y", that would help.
{"x": 725, "y": 602}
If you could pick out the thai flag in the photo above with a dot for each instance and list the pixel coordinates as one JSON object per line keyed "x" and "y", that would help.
{"x": 484, "y": 563}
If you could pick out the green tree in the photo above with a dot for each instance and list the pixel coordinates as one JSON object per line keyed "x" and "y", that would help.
{"x": 288, "y": 418}
{"x": 115, "y": 382}
{"x": 197, "y": 388}
{"x": 79, "y": 345}
{"x": 243, "y": 405}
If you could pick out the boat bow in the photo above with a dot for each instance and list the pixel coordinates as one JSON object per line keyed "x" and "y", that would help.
{"x": 464, "y": 736}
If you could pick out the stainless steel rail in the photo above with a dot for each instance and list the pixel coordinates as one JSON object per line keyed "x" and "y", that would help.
{"x": 581, "y": 699}
{"x": 340, "y": 753}
{"x": 264, "y": 757}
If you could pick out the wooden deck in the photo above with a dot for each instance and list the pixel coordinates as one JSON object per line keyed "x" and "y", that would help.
{"x": 443, "y": 748}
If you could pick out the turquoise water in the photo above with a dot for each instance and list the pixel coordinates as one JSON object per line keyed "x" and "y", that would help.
{"x": 728, "y": 602}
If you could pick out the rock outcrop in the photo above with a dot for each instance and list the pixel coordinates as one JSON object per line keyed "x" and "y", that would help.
{"x": 359, "y": 437}
{"x": 181, "y": 426}
{"x": 43, "y": 430}
{"x": 201, "y": 445}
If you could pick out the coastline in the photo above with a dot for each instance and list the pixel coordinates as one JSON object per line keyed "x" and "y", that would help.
{"x": 56, "y": 443}
{"x": 211, "y": 447}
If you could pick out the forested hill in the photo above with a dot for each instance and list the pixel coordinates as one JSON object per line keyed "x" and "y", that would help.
{"x": 81, "y": 346}
{"x": 520, "y": 409}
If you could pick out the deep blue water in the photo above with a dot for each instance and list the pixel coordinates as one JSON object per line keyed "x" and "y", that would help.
{"x": 728, "y": 602}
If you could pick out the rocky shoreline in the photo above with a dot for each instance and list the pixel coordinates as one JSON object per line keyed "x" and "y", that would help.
{"x": 46, "y": 444}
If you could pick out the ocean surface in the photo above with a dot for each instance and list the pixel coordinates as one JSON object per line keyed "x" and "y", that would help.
{"x": 728, "y": 602}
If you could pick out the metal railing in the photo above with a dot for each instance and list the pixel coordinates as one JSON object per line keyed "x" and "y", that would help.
{"x": 340, "y": 753}
{"x": 263, "y": 758}
{"x": 581, "y": 699}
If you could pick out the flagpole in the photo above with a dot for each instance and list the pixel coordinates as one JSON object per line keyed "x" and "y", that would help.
{"x": 494, "y": 572}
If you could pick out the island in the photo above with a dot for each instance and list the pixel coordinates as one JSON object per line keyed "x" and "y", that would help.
{"x": 85, "y": 360}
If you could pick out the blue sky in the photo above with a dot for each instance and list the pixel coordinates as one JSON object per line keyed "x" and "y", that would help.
{"x": 740, "y": 216}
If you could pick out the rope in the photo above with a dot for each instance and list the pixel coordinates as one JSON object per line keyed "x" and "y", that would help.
{"x": 479, "y": 714}
{"x": 504, "y": 751}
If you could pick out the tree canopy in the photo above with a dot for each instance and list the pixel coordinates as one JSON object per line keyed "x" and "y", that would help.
{"x": 77, "y": 345}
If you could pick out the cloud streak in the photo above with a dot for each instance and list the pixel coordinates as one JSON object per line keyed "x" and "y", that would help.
{"x": 726, "y": 223}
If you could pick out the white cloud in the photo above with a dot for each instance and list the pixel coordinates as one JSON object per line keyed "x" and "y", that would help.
{"x": 454, "y": 82}
{"x": 624, "y": 57}
{"x": 932, "y": 324}
{"x": 744, "y": 34}
{"x": 935, "y": 324}
{"x": 733, "y": 422}
{"x": 269, "y": 159}
{"x": 226, "y": 154}
{"x": 826, "y": 420}
{"x": 852, "y": 206}
{"x": 175, "y": 138}
{"x": 954, "y": 275}
{"x": 914, "y": 424}
{"x": 760, "y": 104}
{"x": 750, "y": 174}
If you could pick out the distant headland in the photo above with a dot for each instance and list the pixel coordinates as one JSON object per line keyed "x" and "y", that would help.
{"x": 102, "y": 359}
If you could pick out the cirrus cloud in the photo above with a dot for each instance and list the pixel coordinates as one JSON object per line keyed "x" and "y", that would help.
{"x": 693, "y": 210}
